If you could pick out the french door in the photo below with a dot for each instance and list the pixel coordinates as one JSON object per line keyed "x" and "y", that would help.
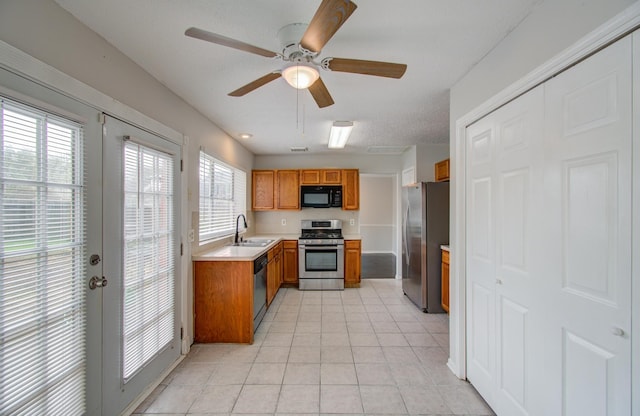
{"x": 141, "y": 246}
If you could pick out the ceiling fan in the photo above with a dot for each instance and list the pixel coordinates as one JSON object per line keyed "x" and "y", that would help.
{"x": 301, "y": 44}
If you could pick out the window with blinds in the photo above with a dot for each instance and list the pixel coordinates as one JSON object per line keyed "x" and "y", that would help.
{"x": 222, "y": 197}
{"x": 42, "y": 252}
{"x": 148, "y": 257}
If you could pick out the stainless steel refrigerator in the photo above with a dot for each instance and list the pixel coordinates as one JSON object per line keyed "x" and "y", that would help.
{"x": 425, "y": 226}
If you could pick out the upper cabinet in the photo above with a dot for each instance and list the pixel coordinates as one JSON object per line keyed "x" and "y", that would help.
{"x": 287, "y": 189}
{"x": 263, "y": 190}
{"x": 320, "y": 177}
{"x": 442, "y": 170}
{"x": 275, "y": 189}
{"x": 280, "y": 189}
{"x": 350, "y": 189}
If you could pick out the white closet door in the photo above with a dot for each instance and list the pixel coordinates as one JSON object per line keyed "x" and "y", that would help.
{"x": 587, "y": 272}
{"x": 504, "y": 163}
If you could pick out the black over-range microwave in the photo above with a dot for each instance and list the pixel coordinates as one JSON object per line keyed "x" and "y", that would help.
{"x": 321, "y": 196}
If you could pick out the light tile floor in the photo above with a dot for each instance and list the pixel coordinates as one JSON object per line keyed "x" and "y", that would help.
{"x": 361, "y": 351}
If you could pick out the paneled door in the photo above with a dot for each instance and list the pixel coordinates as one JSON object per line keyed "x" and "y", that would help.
{"x": 586, "y": 274}
{"x": 504, "y": 158}
{"x": 549, "y": 217}
{"x": 141, "y": 328}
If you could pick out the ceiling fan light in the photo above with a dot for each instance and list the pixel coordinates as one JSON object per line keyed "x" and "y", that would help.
{"x": 340, "y": 132}
{"x": 300, "y": 76}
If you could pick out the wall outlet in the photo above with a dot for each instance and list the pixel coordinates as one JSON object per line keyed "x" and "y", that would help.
{"x": 283, "y": 221}
{"x": 191, "y": 236}
{"x": 352, "y": 221}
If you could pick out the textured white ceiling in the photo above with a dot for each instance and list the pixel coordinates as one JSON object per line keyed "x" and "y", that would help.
{"x": 439, "y": 41}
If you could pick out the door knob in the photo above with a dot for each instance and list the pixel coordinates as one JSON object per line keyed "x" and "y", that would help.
{"x": 619, "y": 332}
{"x": 96, "y": 282}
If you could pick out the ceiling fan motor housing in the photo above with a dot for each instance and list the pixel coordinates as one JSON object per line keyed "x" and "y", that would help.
{"x": 289, "y": 38}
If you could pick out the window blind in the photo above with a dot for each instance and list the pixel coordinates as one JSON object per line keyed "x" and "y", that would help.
{"x": 42, "y": 252}
{"x": 149, "y": 270}
{"x": 222, "y": 197}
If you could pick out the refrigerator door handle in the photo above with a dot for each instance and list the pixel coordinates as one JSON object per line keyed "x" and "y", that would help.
{"x": 405, "y": 240}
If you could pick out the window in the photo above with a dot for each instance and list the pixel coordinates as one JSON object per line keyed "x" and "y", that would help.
{"x": 42, "y": 252}
{"x": 148, "y": 256}
{"x": 222, "y": 197}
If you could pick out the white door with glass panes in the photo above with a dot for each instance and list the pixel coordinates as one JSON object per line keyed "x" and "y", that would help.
{"x": 141, "y": 329}
{"x": 49, "y": 319}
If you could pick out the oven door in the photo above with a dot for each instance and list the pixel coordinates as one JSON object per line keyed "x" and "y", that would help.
{"x": 321, "y": 262}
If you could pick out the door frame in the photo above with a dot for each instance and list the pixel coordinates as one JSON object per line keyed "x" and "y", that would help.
{"x": 623, "y": 24}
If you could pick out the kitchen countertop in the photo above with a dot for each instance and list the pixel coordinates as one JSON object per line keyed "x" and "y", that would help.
{"x": 238, "y": 253}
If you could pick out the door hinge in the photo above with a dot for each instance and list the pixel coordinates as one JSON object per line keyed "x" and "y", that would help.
{"x": 181, "y": 249}
{"x": 181, "y": 165}
{"x": 101, "y": 118}
{"x": 181, "y": 333}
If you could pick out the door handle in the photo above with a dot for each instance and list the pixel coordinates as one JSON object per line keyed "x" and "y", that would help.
{"x": 619, "y": 332}
{"x": 96, "y": 282}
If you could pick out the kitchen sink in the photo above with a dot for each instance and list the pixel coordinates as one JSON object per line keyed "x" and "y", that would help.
{"x": 253, "y": 242}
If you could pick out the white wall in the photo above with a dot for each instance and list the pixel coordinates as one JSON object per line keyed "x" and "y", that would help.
{"x": 48, "y": 33}
{"x": 422, "y": 158}
{"x": 378, "y": 215}
{"x": 552, "y": 27}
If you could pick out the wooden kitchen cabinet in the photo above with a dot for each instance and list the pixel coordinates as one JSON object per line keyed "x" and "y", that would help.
{"x": 445, "y": 280}
{"x": 290, "y": 262}
{"x": 287, "y": 189}
{"x": 350, "y": 189}
{"x": 442, "y": 170}
{"x": 320, "y": 177}
{"x": 263, "y": 190}
{"x": 274, "y": 272}
{"x": 275, "y": 190}
{"x": 223, "y": 301}
{"x": 352, "y": 263}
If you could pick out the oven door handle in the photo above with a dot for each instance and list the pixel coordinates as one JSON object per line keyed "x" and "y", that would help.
{"x": 320, "y": 247}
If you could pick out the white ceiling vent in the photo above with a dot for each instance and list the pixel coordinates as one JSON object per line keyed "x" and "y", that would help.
{"x": 299, "y": 149}
{"x": 387, "y": 150}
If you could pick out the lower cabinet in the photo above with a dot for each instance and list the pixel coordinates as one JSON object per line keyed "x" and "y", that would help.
{"x": 445, "y": 280}
{"x": 290, "y": 262}
{"x": 274, "y": 272}
{"x": 352, "y": 263}
{"x": 223, "y": 301}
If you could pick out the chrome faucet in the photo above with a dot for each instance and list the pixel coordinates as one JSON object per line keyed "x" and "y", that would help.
{"x": 235, "y": 240}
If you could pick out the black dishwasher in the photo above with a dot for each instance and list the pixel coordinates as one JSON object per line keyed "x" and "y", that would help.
{"x": 259, "y": 290}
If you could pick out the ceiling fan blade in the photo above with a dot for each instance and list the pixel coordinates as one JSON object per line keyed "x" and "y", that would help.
{"x": 321, "y": 94}
{"x": 225, "y": 41}
{"x": 325, "y": 23}
{"x": 255, "y": 84}
{"x": 357, "y": 66}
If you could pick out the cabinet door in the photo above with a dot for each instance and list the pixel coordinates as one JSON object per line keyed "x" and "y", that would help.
{"x": 262, "y": 190}
{"x": 442, "y": 170}
{"x": 445, "y": 280}
{"x": 352, "y": 263}
{"x": 310, "y": 177}
{"x": 288, "y": 189}
{"x": 290, "y": 262}
{"x": 350, "y": 189}
{"x": 331, "y": 176}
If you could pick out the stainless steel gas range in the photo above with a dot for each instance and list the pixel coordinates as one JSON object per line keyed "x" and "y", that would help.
{"x": 321, "y": 255}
